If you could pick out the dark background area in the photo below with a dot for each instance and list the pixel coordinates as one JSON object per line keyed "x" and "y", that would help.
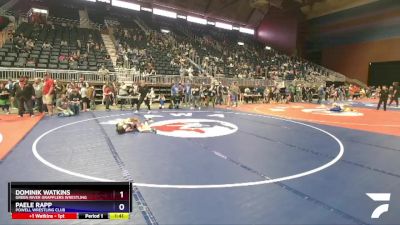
{"x": 384, "y": 73}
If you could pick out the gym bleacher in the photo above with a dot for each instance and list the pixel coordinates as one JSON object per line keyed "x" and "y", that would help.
{"x": 15, "y": 54}
{"x": 206, "y": 51}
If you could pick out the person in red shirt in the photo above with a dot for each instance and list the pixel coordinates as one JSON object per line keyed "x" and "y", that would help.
{"x": 107, "y": 96}
{"x": 48, "y": 93}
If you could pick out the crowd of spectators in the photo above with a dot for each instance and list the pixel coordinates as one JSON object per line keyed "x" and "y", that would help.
{"x": 46, "y": 95}
{"x": 70, "y": 99}
{"x": 50, "y": 44}
{"x": 217, "y": 54}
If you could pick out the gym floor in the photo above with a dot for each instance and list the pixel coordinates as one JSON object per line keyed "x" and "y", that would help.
{"x": 255, "y": 164}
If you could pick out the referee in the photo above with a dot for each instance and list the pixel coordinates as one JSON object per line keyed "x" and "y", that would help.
{"x": 143, "y": 91}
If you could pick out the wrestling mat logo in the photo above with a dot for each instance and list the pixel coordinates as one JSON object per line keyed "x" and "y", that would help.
{"x": 194, "y": 128}
{"x": 326, "y": 111}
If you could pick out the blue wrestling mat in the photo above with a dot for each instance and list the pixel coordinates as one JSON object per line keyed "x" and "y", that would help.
{"x": 217, "y": 167}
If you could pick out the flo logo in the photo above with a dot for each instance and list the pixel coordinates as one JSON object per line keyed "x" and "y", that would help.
{"x": 379, "y": 197}
{"x": 194, "y": 128}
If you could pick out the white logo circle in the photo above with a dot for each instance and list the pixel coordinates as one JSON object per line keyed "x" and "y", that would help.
{"x": 1, "y": 137}
{"x": 194, "y": 128}
{"x": 195, "y": 186}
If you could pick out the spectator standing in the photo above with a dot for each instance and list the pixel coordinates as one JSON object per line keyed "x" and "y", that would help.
{"x": 38, "y": 87}
{"x": 196, "y": 97}
{"x": 48, "y": 93}
{"x": 151, "y": 95}
{"x": 84, "y": 95}
{"x": 135, "y": 94}
{"x": 174, "y": 95}
{"x": 10, "y": 87}
{"x": 107, "y": 96}
{"x": 383, "y": 97}
{"x": 103, "y": 100}
{"x": 219, "y": 93}
{"x": 25, "y": 94}
{"x": 104, "y": 74}
{"x": 59, "y": 89}
{"x": 309, "y": 94}
{"x": 395, "y": 95}
{"x": 340, "y": 93}
{"x": 205, "y": 95}
{"x": 212, "y": 94}
{"x": 299, "y": 93}
{"x": 227, "y": 95}
{"x": 291, "y": 93}
{"x": 91, "y": 94}
{"x": 321, "y": 94}
{"x": 235, "y": 91}
{"x": 4, "y": 98}
{"x": 270, "y": 94}
{"x": 114, "y": 90}
{"x": 188, "y": 94}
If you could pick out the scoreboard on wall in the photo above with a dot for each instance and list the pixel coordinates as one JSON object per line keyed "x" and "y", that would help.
{"x": 69, "y": 200}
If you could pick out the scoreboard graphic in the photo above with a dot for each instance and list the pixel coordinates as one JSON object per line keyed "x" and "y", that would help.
{"x": 69, "y": 200}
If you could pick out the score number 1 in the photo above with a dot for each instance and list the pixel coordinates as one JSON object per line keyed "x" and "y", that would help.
{"x": 121, "y": 206}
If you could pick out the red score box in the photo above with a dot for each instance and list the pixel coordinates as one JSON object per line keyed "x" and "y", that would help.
{"x": 44, "y": 216}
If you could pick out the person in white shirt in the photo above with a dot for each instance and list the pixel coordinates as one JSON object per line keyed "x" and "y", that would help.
{"x": 123, "y": 90}
{"x": 151, "y": 95}
{"x": 104, "y": 73}
{"x": 182, "y": 71}
{"x": 46, "y": 45}
{"x": 84, "y": 95}
{"x": 190, "y": 72}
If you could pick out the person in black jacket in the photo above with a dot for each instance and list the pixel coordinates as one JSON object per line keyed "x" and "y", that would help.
{"x": 24, "y": 94}
{"x": 395, "y": 94}
{"x": 383, "y": 97}
{"x": 143, "y": 91}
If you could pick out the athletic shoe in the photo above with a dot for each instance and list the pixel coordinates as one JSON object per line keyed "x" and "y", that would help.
{"x": 192, "y": 108}
{"x": 32, "y": 116}
{"x": 136, "y": 111}
{"x": 149, "y": 112}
